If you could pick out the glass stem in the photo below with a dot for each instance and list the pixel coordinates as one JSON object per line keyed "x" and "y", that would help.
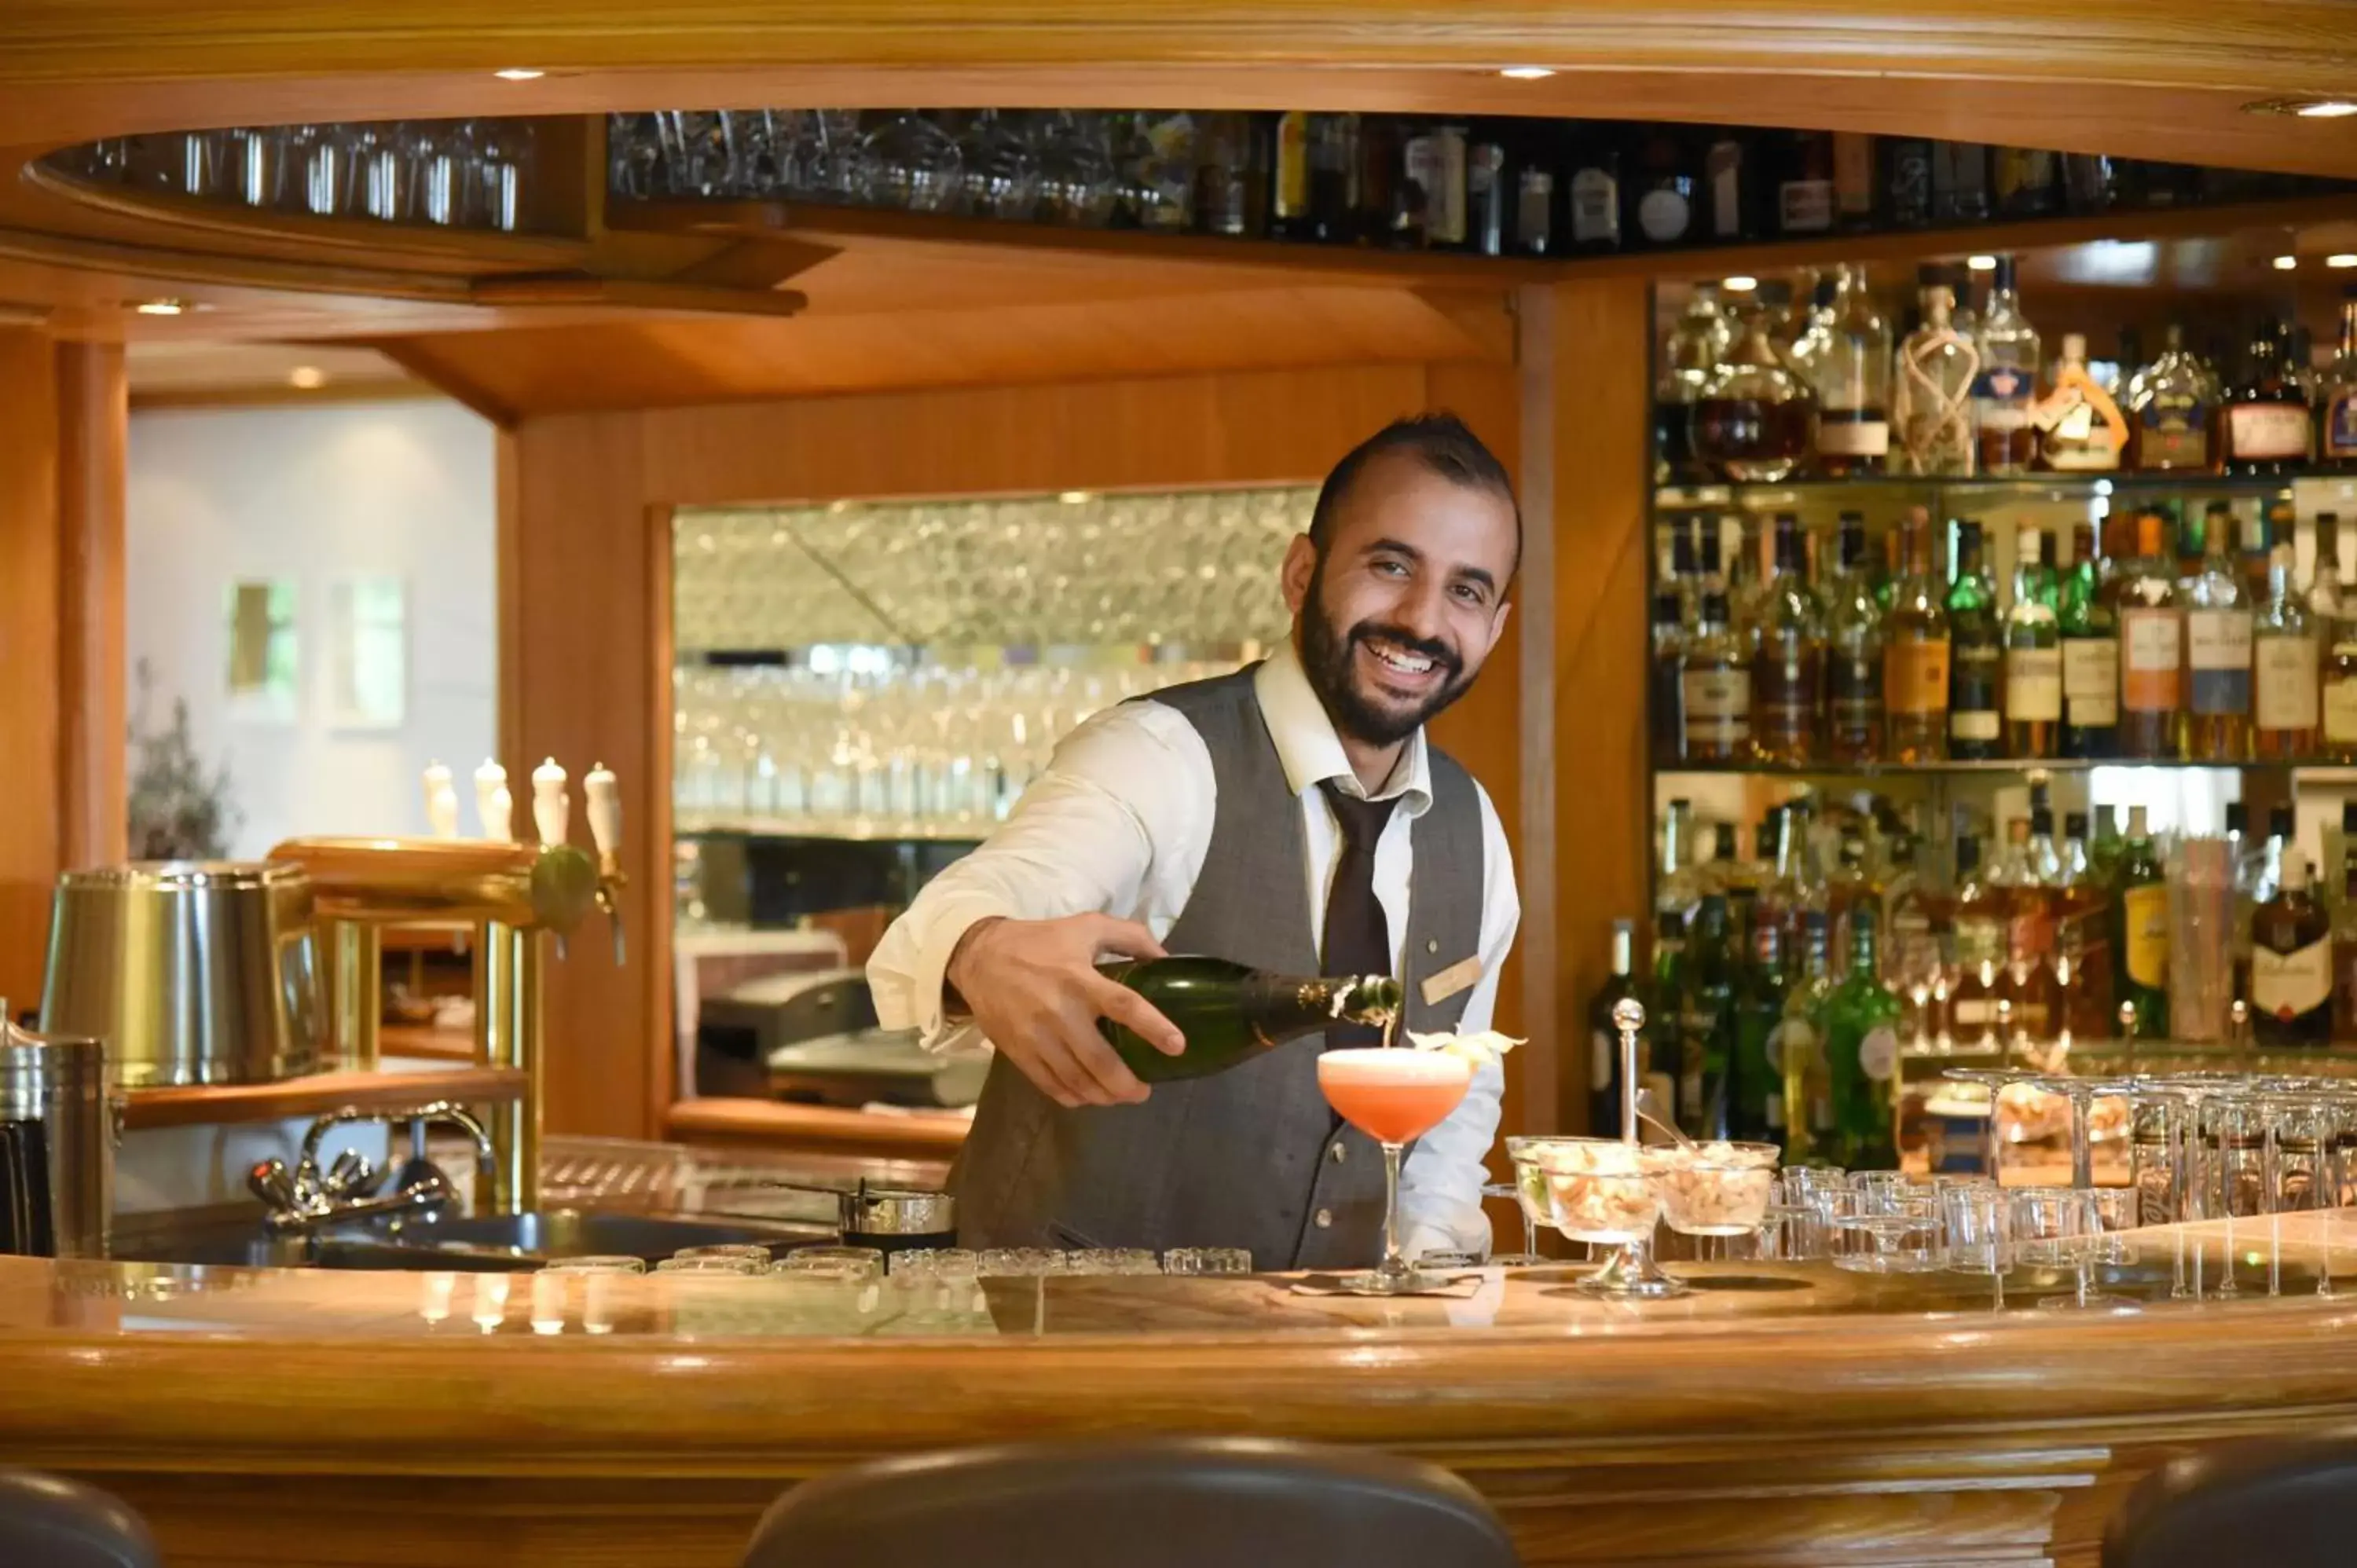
{"x": 1530, "y": 1237}
{"x": 1392, "y": 1263}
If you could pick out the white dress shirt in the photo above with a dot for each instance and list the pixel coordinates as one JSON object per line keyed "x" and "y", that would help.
{"x": 1120, "y": 823}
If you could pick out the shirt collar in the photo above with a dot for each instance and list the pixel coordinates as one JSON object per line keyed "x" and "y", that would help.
{"x": 1312, "y": 753}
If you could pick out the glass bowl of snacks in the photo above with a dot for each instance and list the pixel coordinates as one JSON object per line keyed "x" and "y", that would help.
{"x": 1599, "y": 1190}
{"x": 1715, "y": 1189}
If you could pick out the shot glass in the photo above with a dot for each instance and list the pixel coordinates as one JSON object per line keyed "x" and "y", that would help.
{"x": 851, "y": 1263}
{"x": 1207, "y": 1261}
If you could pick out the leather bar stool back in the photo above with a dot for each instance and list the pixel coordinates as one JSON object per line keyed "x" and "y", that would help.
{"x": 2284, "y": 1505}
{"x": 1176, "y": 1503}
{"x": 46, "y": 1522}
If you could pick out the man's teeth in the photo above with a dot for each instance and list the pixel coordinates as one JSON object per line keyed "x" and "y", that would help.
{"x": 1400, "y": 658}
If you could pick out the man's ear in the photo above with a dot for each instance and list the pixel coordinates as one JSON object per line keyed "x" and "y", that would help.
{"x": 1300, "y": 566}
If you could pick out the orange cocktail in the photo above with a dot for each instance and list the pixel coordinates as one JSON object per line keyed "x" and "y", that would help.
{"x": 1392, "y": 1096}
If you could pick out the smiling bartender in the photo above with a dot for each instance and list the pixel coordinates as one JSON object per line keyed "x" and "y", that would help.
{"x": 1278, "y": 817}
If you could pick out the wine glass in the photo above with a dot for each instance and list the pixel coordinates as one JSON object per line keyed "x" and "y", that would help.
{"x": 1395, "y": 1097}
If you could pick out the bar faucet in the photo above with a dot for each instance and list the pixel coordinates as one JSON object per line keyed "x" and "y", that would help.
{"x": 307, "y": 1197}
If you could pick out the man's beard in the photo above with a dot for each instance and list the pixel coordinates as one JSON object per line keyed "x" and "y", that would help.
{"x": 1327, "y": 658}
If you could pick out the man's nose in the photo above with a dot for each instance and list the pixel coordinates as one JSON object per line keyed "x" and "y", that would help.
{"x": 1424, "y": 613}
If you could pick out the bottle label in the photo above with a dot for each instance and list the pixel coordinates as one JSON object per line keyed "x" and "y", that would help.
{"x": 1878, "y": 1054}
{"x": 2173, "y": 432}
{"x": 1595, "y": 208}
{"x": 2218, "y": 652}
{"x": 2001, "y": 397}
{"x": 1980, "y": 940}
{"x": 2288, "y": 985}
{"x": 1722, "y": 170}
{"x": 2340, "y": 431}
{"x": 1853, "y": 437}
{"x": 2340, "y": 709}
{"x": 1783, "y": 693}
{"x": 2144, "y": 921}
{"x": 1534, "y": 210}
{"x": 2285, "y": 683}
{"x": 1974, "y": 724}
{"x": 1663, "y": 214}
{"x": 1975, "y": 1013}
{"x": 1910, "y": 181}
{"x": 1855, "y": 687}
{"x": 2152, "y": 650}
{"x": 1854, "y": 174}
{"x": 1974, "y": 693}
{"x": 1915, "y": 676}
{"x": 2033, "y": 684}
{"x": 1806, "y": 206}
{"x": 1599, "y": 1072}
{"x": 2090, "y": 682}
{"x": 2266, "y": 432}
{"x": 1717, "y": 706}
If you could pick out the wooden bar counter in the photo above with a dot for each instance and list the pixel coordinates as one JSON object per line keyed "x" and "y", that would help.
{"x": 1778, "y": 1415}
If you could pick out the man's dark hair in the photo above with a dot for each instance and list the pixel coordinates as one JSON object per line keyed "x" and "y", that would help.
{"x": 1441, "y": 443}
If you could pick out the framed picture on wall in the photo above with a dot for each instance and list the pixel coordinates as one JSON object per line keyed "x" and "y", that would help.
{"x": 262, "y": 652}
{"x": 368, "y": 653}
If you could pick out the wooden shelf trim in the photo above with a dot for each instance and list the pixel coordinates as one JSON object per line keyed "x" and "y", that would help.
{"x": 919, "y": 1135}
{"x": 319, "y": 1093}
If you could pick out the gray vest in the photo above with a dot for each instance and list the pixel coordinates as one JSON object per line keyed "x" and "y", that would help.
{"x": 1253, "y": 1156}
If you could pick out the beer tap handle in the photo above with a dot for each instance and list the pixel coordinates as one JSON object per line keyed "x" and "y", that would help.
{"x": 551, "y": 807}
{"x": 492, "y": 801}
{"x": 441, "y": 802}
{"x": 604, "y": 796}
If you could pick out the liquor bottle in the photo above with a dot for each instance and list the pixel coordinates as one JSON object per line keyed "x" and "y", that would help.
{"x": 2286, "y": 673}
{"x": 1975, "y": 656}
{"x": 1699, "y": 342}
{"x": 2173, "y": 412}
{"x": 1288, "y": 184}
{"x": 1915, "y": 655}
{"x": 1231, "y": 176}
{"x": 1663, "y": 1002}
{"x": 1535, "y": 205}
{"x": 1604, "y": 1035}
{"x": 1931, "y": 394}
{"x": 2217, "y": 654}
{"x": 1788, "y": 653}
{"x": 2140, "y": 931}
{"x": 2339, "y": 680}
{"x": 2079, "y": 428}
{"x": 1960, "y": 279}
{"x": 1773, "y": 300}
{"x": 1960, "y": 182}
{"x": 1978, "y": 922}
{"x": 1434, "y": 162}
{"x": 1804, "y": 196}
{"x": 2006, "y": 386}
{"x": 2033, "y": 658}
{"x": 1754, "y": 420}
{"x": 2082, "y": 940}
{"x": 1755, "y": 1099}
{"x": 1860, "y": 1032}
{"x": 2091, "y": 654}
{"x": 2291, "y": 964}
{"x": 1706, "y": 1020}
{"x": 1231, "y": 1012}
{"x": 1489, "y": 195}
{"x": 1594, "y": 192}
{"x": 1714, "y": 687}
{"x": 2152, "y": 648}
{"x": 2030, "y": 983}
{"x": 2265, "y": 415}
{"x": 2324, "y": 585}
{"x": 1907, "y": 182}
{"x": 1801, "y": 1054}
{"x": 1744, "y": 586}
{"x": 2258, "y": 531}
{"x": 1845, "y": 357}
{"x": 2088, "y": 183}
{"x": 2191, "y": 539}
{"x": 2027, "y": 182}
{"x": 1729, "y": 198}
{"x": 1665, "y": 700}
{"x": 1678, "y": 888}
{"x": 2336, "y": 401}
{"x": 1854, "y": 180}
{"x": 1333, "y": 157}
{"x": 1662, "y": 196}
{"x": 1853, "y": 660}
{"x": 1378, "y": 183}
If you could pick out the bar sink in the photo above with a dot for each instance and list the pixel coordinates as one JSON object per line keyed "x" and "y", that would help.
{"x": 482, "y": 1243}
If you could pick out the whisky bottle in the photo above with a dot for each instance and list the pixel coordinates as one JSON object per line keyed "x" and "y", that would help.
{"x": 2217, "y": 654}
{"x": 2037, "y": 868}
{"x": 1915, "y": 654}
{"x": 2006, "y": 385}
{"x": 1976, "y": 656}
{"x": 2285, "y": 670}
{"x": 1698, "y": 343}
{"x": 1853, "y": 655}
{"x": 1805, "y": 196}
{"x": 1960, "y": 182}
{"x": 1844, "y": 357}
{"x": 1854, "y": 180}
{"x": 2291, "y": 962}
{"x": 1754, "y": 420}
{"x": 2336, "y": 402}
{"x": 2082, "y": 940}
{"x": 1664, "y": 696}
{"x": 2324, "y": 586}
{"x": 1230, "y": 1013}
{"x": 2033, "y": 658}
{"x": 1594, "y": 192}
{"x": 2152, "y": 648}
{"x": 2265, "y": 419}
{"x": 2140, "y": 931}
{"x": 2091, "y": 654}
{"x": 1788, "y": 653}
{"x": 2173, "y": 412}
{"x": 1931, "y": 389}
{"x": 2026, "y": 182}
{"x": 1714, "y": 687}
{"x": 2079, "y": 428}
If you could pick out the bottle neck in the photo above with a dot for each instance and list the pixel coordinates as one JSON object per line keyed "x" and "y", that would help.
{"x": 1624, "y": 946}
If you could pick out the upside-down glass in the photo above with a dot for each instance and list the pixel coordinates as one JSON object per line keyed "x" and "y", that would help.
{"x": 834, "y": 1263}
{"x": 1393, "y": 1095}
{"x": 1227, "y": 1260}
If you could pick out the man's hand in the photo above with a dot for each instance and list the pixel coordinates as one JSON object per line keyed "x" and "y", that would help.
{"x": 1033, "y": 987}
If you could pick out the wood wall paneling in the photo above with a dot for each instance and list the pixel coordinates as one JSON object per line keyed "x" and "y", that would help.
{"x": 93, "y": 431}
{"x": 31, "y": 828}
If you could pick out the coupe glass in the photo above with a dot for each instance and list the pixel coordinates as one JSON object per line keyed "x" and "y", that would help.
{"x": 1395, "y": 1097}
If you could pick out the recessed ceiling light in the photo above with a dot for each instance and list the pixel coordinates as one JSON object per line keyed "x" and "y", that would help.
{"x": 161, "y": 307}
{"x": 1073, "y": 497}
{"x": 1739, "y": 283}
{"x": 1527, "y": 72}
{"x": 2286, "y": 263}
{"x": 1981, "y": 263}
{"x": 2341, "y": 259}
{"x": 2326, "y": 108}
{"x": 519, "y": 73}
{"x": 307, "y": 377}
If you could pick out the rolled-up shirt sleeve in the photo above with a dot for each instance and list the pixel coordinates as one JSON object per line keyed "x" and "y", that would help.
{"x": 1114, "y": 815}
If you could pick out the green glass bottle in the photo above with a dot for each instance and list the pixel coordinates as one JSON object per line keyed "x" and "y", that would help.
{"x": 1664, "y": 998}
{"x": 1706, "y": 1020}
{"x": 1976, "y": 656}
{"x": 1755, "y": 1109}
{"x": 1231, "y": 1012}
{"x": 2140, "y": 932}
{"x": 2091, "y": 654}
{"x": 1798, "y": 1050}
{"x": 1860, "y": 1030}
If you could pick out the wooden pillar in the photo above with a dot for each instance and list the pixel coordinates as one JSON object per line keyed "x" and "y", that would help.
{"x": 30, "y": 830}
{"x": 94, "y": 433}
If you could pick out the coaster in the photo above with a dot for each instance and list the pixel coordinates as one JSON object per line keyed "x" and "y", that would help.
{"x": 1459, "y": 1287}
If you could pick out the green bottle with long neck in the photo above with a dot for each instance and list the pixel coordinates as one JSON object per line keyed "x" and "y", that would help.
{"x": 1861, "y": 1040}
{"x": 1230, "y": 1013}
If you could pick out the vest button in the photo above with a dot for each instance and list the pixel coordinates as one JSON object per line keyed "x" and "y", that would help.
{"x": 1323, "y": 1219}
{"x": 1339, "y": 1152}
{"x": 1432, "y": 944}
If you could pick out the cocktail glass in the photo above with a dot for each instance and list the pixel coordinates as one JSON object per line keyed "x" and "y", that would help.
{"x": 1393, "y": 1097}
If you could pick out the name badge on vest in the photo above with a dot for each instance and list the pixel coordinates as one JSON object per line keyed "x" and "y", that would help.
{"x": 1439, "y": 987}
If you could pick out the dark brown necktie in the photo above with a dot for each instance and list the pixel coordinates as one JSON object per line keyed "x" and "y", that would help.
{"x": 1358, "y": 937}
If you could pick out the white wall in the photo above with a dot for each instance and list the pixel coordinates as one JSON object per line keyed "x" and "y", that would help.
{"x": 397, "y": 489}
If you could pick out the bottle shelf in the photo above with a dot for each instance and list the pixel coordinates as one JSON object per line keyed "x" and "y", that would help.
{"x": 2000, "y": 767}
{"x": 698, "y": 826}
{"x": 2026, "y": 487}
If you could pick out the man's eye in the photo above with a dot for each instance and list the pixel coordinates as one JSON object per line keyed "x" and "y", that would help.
{"x": 1469, "y": 592}
{"x": 1393, "y": 567}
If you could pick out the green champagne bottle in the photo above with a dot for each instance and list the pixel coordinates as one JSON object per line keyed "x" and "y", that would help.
{"x": 1861, "y": 1040}
{"x": 2141, "y": 941}
{"x": 1230, "y": 1013}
